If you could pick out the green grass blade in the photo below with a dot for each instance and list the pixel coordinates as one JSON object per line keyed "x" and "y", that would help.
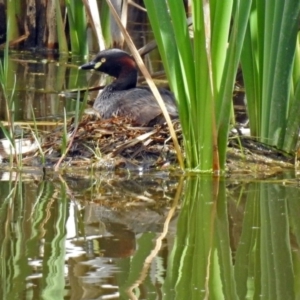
{"x": 293, "y": 123}
{"x": 81, "y": 25}
{"x": 188, "y": 105}
{"x": 275, "y": 65}
{"x": 293, "y": 120}
{"x": 207, "y": 135}
{"x": 164, "y": 35}
{"x": 250, "y": 75}
{"x": 13, "y": 8}
{"x": 267, "y": 62}
{"x": 184, "y": 47}
{"x": 62, "y": 40}
{"x": 199, "y": 71}
{"x": 278, "y": 69}
{"x": 73, "y": 32}
{"x": 238, "y": 30}
{"x": 77, "y": 24}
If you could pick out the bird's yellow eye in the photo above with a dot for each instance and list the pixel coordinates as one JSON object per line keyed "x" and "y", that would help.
{"x": 103, "y": 59}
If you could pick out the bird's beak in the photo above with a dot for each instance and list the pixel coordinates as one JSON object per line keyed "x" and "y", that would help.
{"x": 88, "y": 66}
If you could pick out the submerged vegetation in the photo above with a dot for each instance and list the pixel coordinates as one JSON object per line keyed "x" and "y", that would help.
{"x": 201, "y": 45}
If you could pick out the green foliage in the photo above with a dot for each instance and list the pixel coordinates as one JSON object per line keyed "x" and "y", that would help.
{"x": 267, "y": 62}
{"x": 9, "y": 106}
{"x": 77, "y": 22}
{"x": 201, "y": 71}
{"x": 13, "y": 10}
{"x": 61, "y": 35}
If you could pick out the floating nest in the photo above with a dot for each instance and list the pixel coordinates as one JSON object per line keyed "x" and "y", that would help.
{"x": 113, "y": 143}
{"x": 245, "y": 155}
{"x": 117, "y": 144}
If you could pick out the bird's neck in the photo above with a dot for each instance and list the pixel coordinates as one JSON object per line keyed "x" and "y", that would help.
{"x": 127, "y": 79}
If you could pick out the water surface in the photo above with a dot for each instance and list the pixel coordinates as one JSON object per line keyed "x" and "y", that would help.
{"x": 149, "y": 236}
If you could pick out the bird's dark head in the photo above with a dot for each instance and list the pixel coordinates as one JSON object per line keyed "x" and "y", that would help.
{"x": 113, "y": 62}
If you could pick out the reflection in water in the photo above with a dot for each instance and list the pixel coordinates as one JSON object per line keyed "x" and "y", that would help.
{"x": 38, "y": 80}
{"x": 127, "y": 237}
{"x": 80, "y": 240}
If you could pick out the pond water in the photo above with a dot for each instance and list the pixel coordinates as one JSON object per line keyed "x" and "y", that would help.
{"x": 148, "y": 236}
{"x": 89, "y": 234}
{"x": 38, "y": 82}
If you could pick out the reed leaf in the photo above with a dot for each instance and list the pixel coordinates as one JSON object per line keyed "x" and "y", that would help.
{"x": 231, "y": 61}
{"x": 280, "y": 51}
{"x": 165, "y": 37}
{"x": 201, "y": 71}
{"x": 188, "y": 100}
{"x": 267, "y": 63}
{"x": 61, "y": 34}
{"x": 9, "y": 104}
{"x": 13, "y": 8}
{"x": 293, "y": 122}
{"x": 77, "y": 24}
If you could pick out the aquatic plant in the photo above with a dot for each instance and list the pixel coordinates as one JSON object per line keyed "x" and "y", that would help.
{"x": 201, "y": 71}
{"x": 67, "y": 136}
{"x": 8, "y": 131}
{"x": 270, "y": 63}
{"x": 201, "y": 63}
{"x": 77, "y": 22}
{"x": 56, "y": 24}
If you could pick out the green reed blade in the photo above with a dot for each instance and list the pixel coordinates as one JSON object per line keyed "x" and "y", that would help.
{"x": 62, "y": 39}
{"x": 232, "y": 59}
{"x": 164, "y": 35}
{"x": 77, "y": 25}
{"x": 267, "y": 63}
{"x": 13, "y": 10}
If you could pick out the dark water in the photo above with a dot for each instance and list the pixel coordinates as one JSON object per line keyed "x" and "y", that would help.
{"x": 35, "y": 82}
{"x": 83, "y": 234}
{"x": 150, "y": 236}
